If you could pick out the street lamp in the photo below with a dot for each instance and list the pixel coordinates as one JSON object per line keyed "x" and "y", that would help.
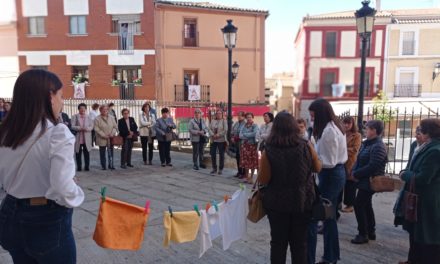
{"x": 235, "y": 68}
{"x": 230, "y": 38}
{"x": 365, "y": 24}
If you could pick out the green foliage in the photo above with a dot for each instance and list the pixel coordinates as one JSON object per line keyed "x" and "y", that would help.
{"x": 381, "y": 110}
{"x": 80, "y": 79}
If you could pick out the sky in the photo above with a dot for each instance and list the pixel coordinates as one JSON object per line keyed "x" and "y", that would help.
{"x": 284, "y": 20}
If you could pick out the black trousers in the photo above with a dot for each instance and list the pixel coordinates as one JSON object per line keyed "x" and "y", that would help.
{"x": 348, "y": 195}
{"x": 82, "y": 149}
{"x": 127, "y": 147}
{"x": 363, "y": 209}
{"x": 241, "y": 170}
{"x": 198, "y": 149}
{"x": 220, "y": 146}
{"x": 145, "y": 146}
{"x": 164, "y": 152}
{"x": 288, "y": 229}
{"x": 93, "y": 138}
{"x": 103, "y": 153}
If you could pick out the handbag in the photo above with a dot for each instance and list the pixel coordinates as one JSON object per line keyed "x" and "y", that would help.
{"x": 116, "y": 140}
{"x": 382, "y": 184}
{"x": 410, "y": 199}
{"x": 322, "y": 208}
{"x": 171, "y": 136}
{"x": 255, "y": 202}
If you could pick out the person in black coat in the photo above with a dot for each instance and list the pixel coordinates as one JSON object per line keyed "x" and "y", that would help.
{"x": 128, "y": 130}
{"x": 371, "y": 161}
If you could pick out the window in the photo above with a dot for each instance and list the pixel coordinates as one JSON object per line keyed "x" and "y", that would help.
{"x": 328, "y": 78}
{"x": 134, "y": 26}
{"x": 78, "y": 25}
{"x": 190, "y": 33}
{"x": 80, "y": 72}
{"x": 39, "y": 67}
{"x": 408, "y": 43}
{"x": 330, "y": 44}
{"x": 190, "y": 77}
{"x": 36, "y": 26}
{"x": 129, "y": 74}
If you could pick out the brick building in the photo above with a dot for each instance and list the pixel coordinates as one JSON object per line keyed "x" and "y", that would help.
{"x": 111, "y": 43}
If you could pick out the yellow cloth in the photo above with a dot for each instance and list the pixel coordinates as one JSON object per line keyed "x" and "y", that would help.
{"x": 182, "y": 227}
{"x": 120, "y": 225}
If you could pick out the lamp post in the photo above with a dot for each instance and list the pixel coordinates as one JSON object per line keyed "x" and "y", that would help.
{"x": 230, "y": 38}
{"x": 365, "y": 24}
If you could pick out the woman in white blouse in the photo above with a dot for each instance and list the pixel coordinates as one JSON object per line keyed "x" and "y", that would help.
{"x": 332, "y": 151}
{"x": 265, "y": 130}
{"x": 37, "y": 172}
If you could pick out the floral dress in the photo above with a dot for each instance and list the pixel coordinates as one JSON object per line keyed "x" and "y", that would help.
{"x": 249, "y": 144}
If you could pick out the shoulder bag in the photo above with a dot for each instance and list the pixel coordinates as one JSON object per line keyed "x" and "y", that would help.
{"x": 410, "y": 199}
{"x": 116, "y": 140}
{"x": 170, "y": 135}
{"x": 382, "y": 184}
{"x": 322, "y": 208}
{"x": 255, "y": 201}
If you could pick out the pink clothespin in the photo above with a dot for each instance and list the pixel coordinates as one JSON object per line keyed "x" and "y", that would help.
{"x": 147, "y": 206}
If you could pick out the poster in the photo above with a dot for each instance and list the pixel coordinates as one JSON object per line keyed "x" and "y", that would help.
{"x": 194, "y": 93}
{"x": 79, "y": 90}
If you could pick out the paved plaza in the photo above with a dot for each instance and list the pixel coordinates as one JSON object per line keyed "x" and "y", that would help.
{"x": 181, "y": 187}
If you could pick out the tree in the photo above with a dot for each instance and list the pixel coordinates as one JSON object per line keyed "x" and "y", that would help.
{"x": 381, "y": 111}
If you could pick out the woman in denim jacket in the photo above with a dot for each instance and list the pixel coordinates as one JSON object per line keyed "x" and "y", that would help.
{"x": 249, "y": 150}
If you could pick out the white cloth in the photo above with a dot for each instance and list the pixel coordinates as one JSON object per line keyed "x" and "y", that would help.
{"x": 93, "y": 114}
{"x": 332, "y": 147}
{"x": 209, "y": 228}
{"x": 47, "y": 170}
{"x": 233, "y": 218}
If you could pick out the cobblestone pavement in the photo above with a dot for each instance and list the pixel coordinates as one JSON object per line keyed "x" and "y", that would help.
{"x": 181, "y": 187}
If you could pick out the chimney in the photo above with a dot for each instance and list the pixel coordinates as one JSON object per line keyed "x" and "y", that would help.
{"x": 378, "y": 7}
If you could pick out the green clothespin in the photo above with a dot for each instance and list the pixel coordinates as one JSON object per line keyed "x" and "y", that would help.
{"x": 103, "y": 191}
{"x": 242, "y": 186}
{"x": 196, "y": 208}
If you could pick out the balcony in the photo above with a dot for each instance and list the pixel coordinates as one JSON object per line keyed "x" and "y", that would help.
{"x": 182, "y": 93}
{"x": 407, "y": 90}
{"x": 192, "y": 41}
{"x": 126, "y": 91}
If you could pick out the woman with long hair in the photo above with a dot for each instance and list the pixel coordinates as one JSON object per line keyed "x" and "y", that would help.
{"x": 331, "y": 146}
{"x": 354, "y": 141}
{"x": 37, "y": 171}
{"x": 286, "y": 168}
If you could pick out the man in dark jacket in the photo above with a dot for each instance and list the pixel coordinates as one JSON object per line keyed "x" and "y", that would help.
{"x": 371, "y": 162}
{"x": 128, "y": 130}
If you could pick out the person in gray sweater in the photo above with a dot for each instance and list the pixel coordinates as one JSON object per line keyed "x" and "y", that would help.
{"x": 217, "y": 131}
{"x": 198, "y": 135}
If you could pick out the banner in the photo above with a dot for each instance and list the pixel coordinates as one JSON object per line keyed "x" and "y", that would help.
{"x": 79, "y": 90}
{"x": 194, "y": 93}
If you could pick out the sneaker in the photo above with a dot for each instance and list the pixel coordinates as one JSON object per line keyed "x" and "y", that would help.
{"x": 163, "y": 165}
{"x": 170, "y": 165}
{"x": 129, "y": 165}
{"x": 372, "y": 236}
{"x": 123, "y": 167}
{"x": 220, "y": 172}
{"x": 103, "y": 168}
{"x": 87, "y": 169}
{"x": 203, "y": 166}
{"x": 358, "y": 239}
{"x": 214, "y": 171}
{"x": 348, "y": 209}
{"x": 195, "y": 167}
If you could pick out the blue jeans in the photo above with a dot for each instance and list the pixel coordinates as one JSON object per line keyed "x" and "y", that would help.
{"x": 331, "y": 183}
{"x": 37, "y": 234}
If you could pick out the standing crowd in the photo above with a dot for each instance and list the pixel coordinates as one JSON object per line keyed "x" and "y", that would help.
{"x": 298, "y": 169}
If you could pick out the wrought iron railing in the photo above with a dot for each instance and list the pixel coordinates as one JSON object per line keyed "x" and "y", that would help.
{"x": 126, "y": 91}
{"x": 126, "y": 44}
{"x": 407, "y": 90}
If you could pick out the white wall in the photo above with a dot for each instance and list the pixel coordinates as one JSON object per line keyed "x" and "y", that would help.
{"x": 32, "y": 8}
{"x": 115, "y": 7}
{"x": 76, "y": 7}
{"x": 348, "y": 43}
{"x": 379, "y": 40}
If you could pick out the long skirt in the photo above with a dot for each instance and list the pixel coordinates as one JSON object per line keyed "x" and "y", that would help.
{"x": 249, "y": 156}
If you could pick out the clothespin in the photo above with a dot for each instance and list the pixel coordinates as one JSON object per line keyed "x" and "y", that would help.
{"x": 196, "y": 208}
{"x": 103, "y": 191}
{"x": 147, "y": 206}
{"x": 214, "y": 202}
{"x": 170, "y": 211}
{"x": 242, "y": 186}
{"x": 226, "y": 198}
{"x": 208, "y": 205}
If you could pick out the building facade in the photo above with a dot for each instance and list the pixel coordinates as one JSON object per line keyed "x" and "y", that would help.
{"x": 8, "y": 52}
{"x": 328, "y": 53}
{"x": 412, "y": 53}
{"x": 281, "y": 92}
{"x": 190, "y": 51}
{"x": 109, "y": 44}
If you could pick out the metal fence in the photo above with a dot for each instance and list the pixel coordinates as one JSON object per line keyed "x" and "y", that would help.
{"x": 400, "y": 125}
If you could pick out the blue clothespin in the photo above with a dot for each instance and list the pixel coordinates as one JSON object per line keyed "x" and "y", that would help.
{"x": 214, "y": 202}
{"x": 103, "y": 191}
{"x": 170, "y": 211}
{"x": 196, "y": 208}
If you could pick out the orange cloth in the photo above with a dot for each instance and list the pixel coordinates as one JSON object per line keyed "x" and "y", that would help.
{"x": 120, "y": 225}
{"x": 182, "y": 227}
